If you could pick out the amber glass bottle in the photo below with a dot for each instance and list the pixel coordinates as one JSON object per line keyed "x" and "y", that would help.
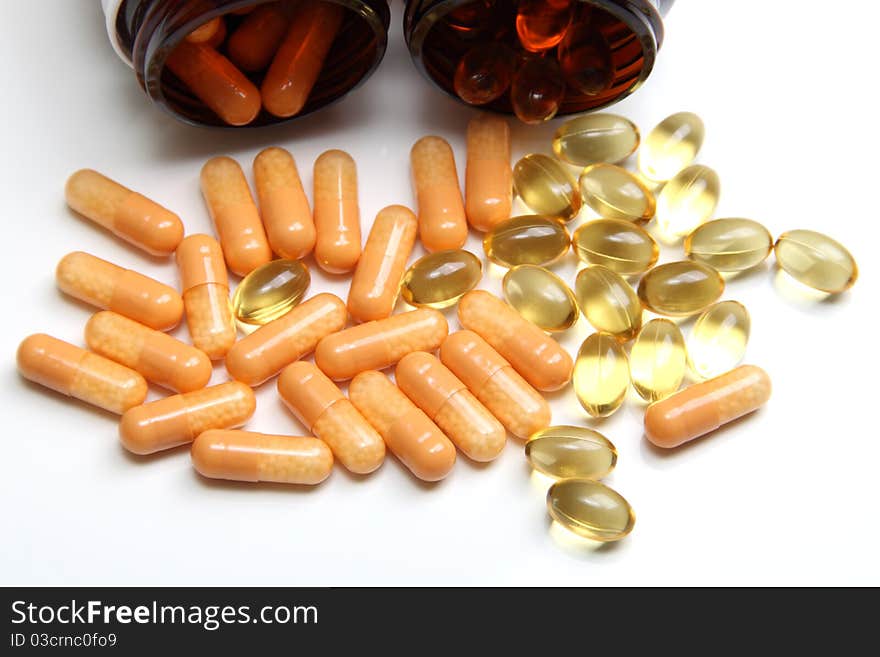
{"x": 145, "y": 32}
{"x": 589, "y": 53}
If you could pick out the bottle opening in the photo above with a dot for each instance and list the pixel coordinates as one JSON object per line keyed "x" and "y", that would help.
{"x": 237, "y": 63}
{"x": 535, "y": 58}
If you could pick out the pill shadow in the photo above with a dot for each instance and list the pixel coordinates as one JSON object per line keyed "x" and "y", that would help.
{"x": 735, "y": 277}
{"x": 657, "y": 455}
{"x": 533, "y": 138}
{"x": 801, "y": 296}
{"x": 210, "y": 484}
{"x": 578, "y": 547}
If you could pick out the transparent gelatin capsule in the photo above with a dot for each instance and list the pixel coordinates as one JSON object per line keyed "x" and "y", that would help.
{"x": 546, "y": 187}
{"x": 484, "y": 73}
{"x": 680, "y": 289}
{"x": 601, "y": 375}
{"x": 658, "y": 360}
{"x": 541, "y": 24}
{"x": 687, "y": 201}
{"x": 729, "y": 245}
{"x": 608, "y": 302}
{"x": 621, "y": 246}
{"x": 590, "y": 509}
{"x": 527, "y": 240}
{"x": 439, "y": 280}
{"x": 566, "y": 452}
{"x": 537, "y": 90}
{"x": 541, "y": 297}
{"x": 594, "y": 138}
{"x": 270, "y": 291}
{"x": 816, "y": 260}
{"x": 614, "y": 193}
{"x": 671, "y": 146}
{"x": 719, "y": 338}
{"x": 586, "y": 58}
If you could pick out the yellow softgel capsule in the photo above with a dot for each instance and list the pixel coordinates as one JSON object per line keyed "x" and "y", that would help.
{"x": 439, "y": 280}
{"x": 658, "y": 360}
{"x": 594, "y": 138}
{"x": 590, "y": 509}
{"x": 816, "y": 260}
{"x": 545, "y": 185}
{"x": 621, "y": 246}
{"x": 719, "y": 338}
{"x": 671, "y": 146}
{"x": 729, "y": 245}
{"x": 566, "y": 452}
{"x": 679, "y": 289}
{"x": 614, "y": 193}
{"x": 541, "y": 297}
{"x": 601, "y": 375}
{"x": 687, "y": 201}
{"x": 608, "y": 302}
{"x": 527, "y": 240}
{"x": 270, "y": 291}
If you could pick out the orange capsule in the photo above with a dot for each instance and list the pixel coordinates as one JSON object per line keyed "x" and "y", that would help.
{"x": 206, "y": 32}
{"x": 534, "y": 354}
{"x": 206, "y": 295}
{"x": 703, "y": 407}
{"x": 487, "y": 183}
{"x": 108, "y": 286}
{"x": 160, "y": 358}
{"x": 537, "y": 90}
{"x": 495, "y": 383}
{"x": 255, "y": 41}
{"x": 541, "y": 24}
{"x": 442, "y": 222}
{"x": 585, "y": 59}
{"x": 410, "y": 435}
{"x": 376, "y": 281}
{"x": 270, "y": 348}
{"x": 284, "y": 207}
{"x": 178, "y": 419}
{"x": 448, "y": 402}
{"x": 125, "y": 213}
{"x": 216, "y": 82}
{"x": 77, "y": 373}
{"x": 470, "y": 17}
{"x": 219, "y": 36}
{"x": 235, "y": 215}
{"x": 321, "y": 407}
{"x": 379, "y": 344}
{"x": 300, "y": 58}
{"x": 483, "y": 74}
{"x": 249, "y": 456}
{"x": 337, "y": 216}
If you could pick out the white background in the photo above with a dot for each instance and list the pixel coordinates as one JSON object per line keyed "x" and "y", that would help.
{"x": 788, "y": 496}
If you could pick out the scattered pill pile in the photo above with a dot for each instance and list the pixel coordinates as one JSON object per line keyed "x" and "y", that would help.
{"x": 463, "y": 390}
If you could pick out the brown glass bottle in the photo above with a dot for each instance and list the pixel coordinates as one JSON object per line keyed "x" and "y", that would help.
{"x": 146, "y": 32}
{"x": 609, "y": 49}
